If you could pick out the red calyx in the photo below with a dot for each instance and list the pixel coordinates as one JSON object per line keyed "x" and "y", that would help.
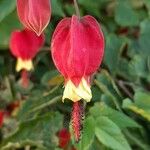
{"x": 25, "y": 44}
{"x": 77, "y": 47}
{"x": 34, "y": 14}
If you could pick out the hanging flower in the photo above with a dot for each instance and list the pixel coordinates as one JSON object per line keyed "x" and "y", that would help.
{"x": 64, "y": 138}
{"x": 34, "y": 14}
{"x": 24, "y": 45}
{"x": 77, "y": 51}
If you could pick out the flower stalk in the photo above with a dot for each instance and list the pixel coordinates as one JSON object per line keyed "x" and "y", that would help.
{"x": 77, "y": 9}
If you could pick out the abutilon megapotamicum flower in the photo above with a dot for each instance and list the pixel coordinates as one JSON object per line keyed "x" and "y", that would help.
{"x": 77, "y": 50}
{"x": 24, "y": 45}
{"x": 34, "y": 14}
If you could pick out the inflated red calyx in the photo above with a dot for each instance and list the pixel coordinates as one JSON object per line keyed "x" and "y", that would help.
{"x": 34, "y": 14}
{"x": 77, "y": 50}
{"x": 24, "y": 45}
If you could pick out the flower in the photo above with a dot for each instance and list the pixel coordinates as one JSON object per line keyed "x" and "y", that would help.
{"x": 64, "y": 138}
{"x": 34, "y": 14}
{"x": 77, "y": 50}
{"x": 24, "y": 45}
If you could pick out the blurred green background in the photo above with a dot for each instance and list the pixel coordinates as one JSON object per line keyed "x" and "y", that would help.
{"x": 117, "y": 118}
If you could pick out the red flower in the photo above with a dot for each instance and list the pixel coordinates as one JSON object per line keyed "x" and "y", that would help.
{"x": 24, "y": 45}
{"x": 34, "y": 14}
{"x": 77, "y": 51}
{"x": 64, "y": 138}
{"x": 1, "y": 118}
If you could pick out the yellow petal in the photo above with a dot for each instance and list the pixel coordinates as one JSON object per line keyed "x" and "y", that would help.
{"x": 24, "y": 64}
{"x": 74, "y": 93}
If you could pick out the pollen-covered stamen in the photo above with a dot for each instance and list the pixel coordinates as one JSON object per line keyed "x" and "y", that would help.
{"x": 77, "y": 116}
{"x": 24, "y": 78}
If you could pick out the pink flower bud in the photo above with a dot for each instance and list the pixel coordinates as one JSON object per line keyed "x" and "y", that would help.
{"x": 77, "y": 50}
{"x": 34, "y": 14}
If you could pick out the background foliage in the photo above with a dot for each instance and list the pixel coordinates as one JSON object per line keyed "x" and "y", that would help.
{"x": 118, "y": 116}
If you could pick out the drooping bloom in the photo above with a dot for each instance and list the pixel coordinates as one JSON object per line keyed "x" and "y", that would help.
{"x": 24, "y": 45}
{"x": 64, "y": 138}
{"x": 77, "y": 50}
{"x": 34, "y": 14}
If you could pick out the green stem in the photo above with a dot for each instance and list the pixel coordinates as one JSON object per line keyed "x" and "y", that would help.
{"x": 52, "y": 101}
{"x": 77, "y": 8}
{"x": 51, "y": 91}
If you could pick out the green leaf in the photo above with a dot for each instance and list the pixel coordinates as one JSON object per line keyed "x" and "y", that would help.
{"x": 144, "y": 37}
{"x": 37, "y": 102}
{"x": 138, "y": 67}
{"x": 113, "y": 50}
{"x": 6, "y": 7}
{"x": 110, "y": 135}
{"x": 125, "y": 15}
{"x": 52, "y": 78}
{"x": 8, "y": 25}
{"x": 141, "y": 106}
{"x": 107, "y": 85}
{"x": 123, "y": 69}
{"x": 91, "y": 6}
{"x": 88, "y": 134}
{"x": 120, "y": 119}
{"x": 40, "y": 131}
{"x": 147, "y": 3}
{"x": 143, "y": 100}
{"x": 57, "y": 8}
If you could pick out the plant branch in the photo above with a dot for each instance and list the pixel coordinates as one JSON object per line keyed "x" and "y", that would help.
{"x": 52, "y": 101}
